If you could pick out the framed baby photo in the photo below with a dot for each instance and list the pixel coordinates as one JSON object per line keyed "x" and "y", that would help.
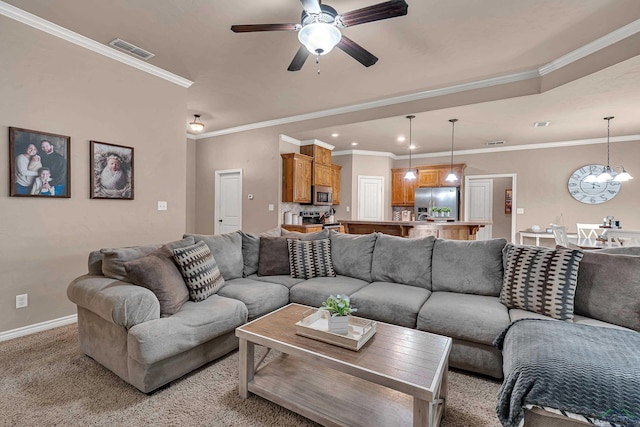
{"x": 111, "y": 171}
{"x": 39, "y": 164}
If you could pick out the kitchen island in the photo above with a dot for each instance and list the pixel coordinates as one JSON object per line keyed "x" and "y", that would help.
{"x": 453, "y": 230}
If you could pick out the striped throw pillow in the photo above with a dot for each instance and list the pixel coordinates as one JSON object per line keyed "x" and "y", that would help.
{"x": 199, "y": 270}
{"x": 541, "y": 280}
{"x": 311, "y": 258}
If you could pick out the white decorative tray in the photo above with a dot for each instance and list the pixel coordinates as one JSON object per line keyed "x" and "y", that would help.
{"x": 316, "y": 326}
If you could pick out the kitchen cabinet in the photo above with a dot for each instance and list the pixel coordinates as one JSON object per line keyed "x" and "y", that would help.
{"x": 320, "y": 155}
{"x": 335, "y": 183}
{"x": 428, "y": 177}
{"x": 402, "y": 190}
{"x": 321, "y": 174}
{"x": 296, "y": 178}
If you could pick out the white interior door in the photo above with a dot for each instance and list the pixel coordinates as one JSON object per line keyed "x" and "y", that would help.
{"x": 370, "y": 198}
{"x": 480, "y": 205}
{"x": 228, "y": 201}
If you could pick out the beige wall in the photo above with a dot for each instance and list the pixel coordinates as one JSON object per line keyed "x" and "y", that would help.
{"x": 501, "y": 221}
{"x": 50, "y": 85}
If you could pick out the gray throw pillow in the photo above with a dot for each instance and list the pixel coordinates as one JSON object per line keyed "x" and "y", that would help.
{"x": 541, "y": 280}
{"x": 199, "y": 270}
{"x": 113, "y": 259}
{"x": 609, "y": 288}
{"x": 251, "y": 250}
{"x": 401, "y": 260}
{"x": 352, "y": 254}
{"x": 309, "y": 259}
{"x": 468, "y": 266}
{"x": 159, "y": 273}
{"x": 227, "y": 250}
{"x": 274, "y": 256}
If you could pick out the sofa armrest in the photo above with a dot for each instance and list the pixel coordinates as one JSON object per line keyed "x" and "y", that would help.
{"x": 118, "y": 302}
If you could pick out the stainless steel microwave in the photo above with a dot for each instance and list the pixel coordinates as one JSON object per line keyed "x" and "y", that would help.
{"x": 321, "y": 195}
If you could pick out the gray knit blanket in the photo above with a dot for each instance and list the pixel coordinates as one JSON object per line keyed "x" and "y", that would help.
{"x": 587, "y": 370}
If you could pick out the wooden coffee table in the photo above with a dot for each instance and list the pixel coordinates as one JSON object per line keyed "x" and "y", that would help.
{"x": 399, "y": 377}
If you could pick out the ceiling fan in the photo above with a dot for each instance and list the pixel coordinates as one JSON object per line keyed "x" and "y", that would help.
{"x": 319, "y": 31}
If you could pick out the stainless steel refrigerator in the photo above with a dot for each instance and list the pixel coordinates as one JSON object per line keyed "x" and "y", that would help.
{"x": 427, "y": 198}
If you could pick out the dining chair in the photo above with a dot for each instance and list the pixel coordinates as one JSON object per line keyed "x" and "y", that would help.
{"x": 560, "y": 234}
{"x": 623, "y": 237}
{"x": 588, "y": 231}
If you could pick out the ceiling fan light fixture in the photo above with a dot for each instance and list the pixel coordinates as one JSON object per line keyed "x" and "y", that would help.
{"x": 196, "y": 125}
{"x": 319, "y": 37}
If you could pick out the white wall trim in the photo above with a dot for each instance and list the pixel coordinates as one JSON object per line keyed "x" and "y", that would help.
{"x": 56, "y": 30}
{"x": 290, "y": 140}
{"x": 514, "y": 196}
{"x": 38, "y": 327}
{"x": 365, "y": 153}
{"x": 318, "y": 143}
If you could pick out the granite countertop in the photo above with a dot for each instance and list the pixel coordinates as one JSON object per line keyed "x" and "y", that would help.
{"x": 417, "y": 223}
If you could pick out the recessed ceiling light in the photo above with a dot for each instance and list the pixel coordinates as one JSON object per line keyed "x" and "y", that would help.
{"x": 541, "y": 124}
{"x": 354, "y": 143}
{"x": 401, "y": 138}
{"x": 335, "y": 134}
{"x": 412, "y": 147}
{"x": 493, "y": 143}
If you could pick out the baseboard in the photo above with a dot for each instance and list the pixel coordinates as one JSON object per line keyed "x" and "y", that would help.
{"x": 38, "y": 327}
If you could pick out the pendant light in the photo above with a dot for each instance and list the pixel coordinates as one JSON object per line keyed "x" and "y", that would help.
{"x": 196, "y": 124}
{"x": 452, "y": 176}
{"x": 411, "y": 174}
{"x": 608, "y": 174}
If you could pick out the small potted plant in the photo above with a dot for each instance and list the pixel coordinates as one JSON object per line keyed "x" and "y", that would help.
{"x": 339, "y": 309}
{"x": 435, "y": 211}
{"x": 446, "y": 211}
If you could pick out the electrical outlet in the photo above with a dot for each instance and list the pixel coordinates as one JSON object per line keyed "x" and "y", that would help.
{"x": 162, "y": 206}
{"x": 22, "y": 300}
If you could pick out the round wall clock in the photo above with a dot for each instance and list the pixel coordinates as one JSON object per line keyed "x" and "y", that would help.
{"x": 591, "y": 193}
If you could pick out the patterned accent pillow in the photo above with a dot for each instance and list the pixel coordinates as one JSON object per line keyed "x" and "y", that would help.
{"x": 199, "y": 270}
{"x": 311, "y": 258}
{"x": 541, "y": 280}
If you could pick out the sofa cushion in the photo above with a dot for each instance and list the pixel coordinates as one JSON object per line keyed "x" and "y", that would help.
{"x": 251, "y": 250}
{"x": 476, "y": 318}
{"x": 199, "y": 270}
{"x": 468, "y": 266}
{"x": 609, "y": 288}
{"x": 113, "y": 259}
{"x": 196, "y": 323}
{"x": 274, "y": 256}
{"x": 227, "y": 251}
{"x": 352, "y": 254}
{"x": 315, "y": 291}
{"x": 390, "y": 302}
{"x": 310, "y": 259}
{"x": 285, "y": 280}
{"x": 541, "y": 280}
{"x": 517, "y": 314}
{"x": 401, "y": 260}
{"x": 316, "y": 235}
{"x": 159, "y": 273}
{"x": 259, "y": 297}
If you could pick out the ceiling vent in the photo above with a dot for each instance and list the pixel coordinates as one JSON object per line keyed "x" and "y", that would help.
{"x": 494, "y": 143}
{"x": 131, "y": 49}
{"x": 541, "y": 124}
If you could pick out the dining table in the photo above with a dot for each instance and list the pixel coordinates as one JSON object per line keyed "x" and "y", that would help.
{"x": 585, "y": 243}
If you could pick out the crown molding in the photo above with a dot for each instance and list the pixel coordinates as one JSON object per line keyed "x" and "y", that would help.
{"x": 289, "y": 139}
{"x": 318, "y": 143}
{"x": 365, "y": 153}
{"x": 56, "y": 30}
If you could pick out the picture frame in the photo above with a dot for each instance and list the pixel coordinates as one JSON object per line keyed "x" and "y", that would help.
{"x": 39, "y": 164}
{"x": 508, "y": 200}
{"x": 112, "y": 171}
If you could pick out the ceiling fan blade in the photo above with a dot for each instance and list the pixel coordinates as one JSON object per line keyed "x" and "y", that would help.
{"x": 298, "y": 60}
{"x": 357, "y": 52}
{"x": 386, "y": 10}
{"x": 311, "y": 6}
{"x": 264, "y": 27}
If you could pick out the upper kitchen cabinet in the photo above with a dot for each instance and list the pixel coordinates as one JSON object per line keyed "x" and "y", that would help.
{"x": 335, "y": 183}
{"x": 402, "y": 190}
{"x": 296, "y": 178}
{"x": 321, "y": 170}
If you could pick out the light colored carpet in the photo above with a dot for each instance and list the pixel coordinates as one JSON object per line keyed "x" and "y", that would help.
{"x": 46, "y": 381}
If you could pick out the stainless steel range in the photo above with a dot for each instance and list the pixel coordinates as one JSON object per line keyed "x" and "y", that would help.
{"x": 320, "y": 218}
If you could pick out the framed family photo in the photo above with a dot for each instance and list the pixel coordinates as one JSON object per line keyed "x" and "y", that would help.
{"x": 111, "y": 171}
{"x": 508, "y": 200}
{"x": 39, "y": 164}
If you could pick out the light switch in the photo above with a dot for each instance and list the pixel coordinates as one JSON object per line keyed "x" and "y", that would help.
{"x": 271, "y": 207}
{"x": 162, "y": 206}
{"x": 520, "y": 211}
{"x": 348, "y": 208}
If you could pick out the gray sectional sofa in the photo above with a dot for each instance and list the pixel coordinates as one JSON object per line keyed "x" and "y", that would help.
{"x": 446, "y": 287}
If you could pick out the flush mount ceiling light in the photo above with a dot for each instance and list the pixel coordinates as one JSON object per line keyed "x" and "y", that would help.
{"x": 196, "y": 124}
{"x": 609, "y": 174}
{"x": 411, "y": 173}
{"x": 452, "y": 176}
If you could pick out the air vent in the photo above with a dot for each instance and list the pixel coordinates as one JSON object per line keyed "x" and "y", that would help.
{"x": 131, "y": 49}
{"x": 493, "y": 143}
{"x": 541, "y": 124}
